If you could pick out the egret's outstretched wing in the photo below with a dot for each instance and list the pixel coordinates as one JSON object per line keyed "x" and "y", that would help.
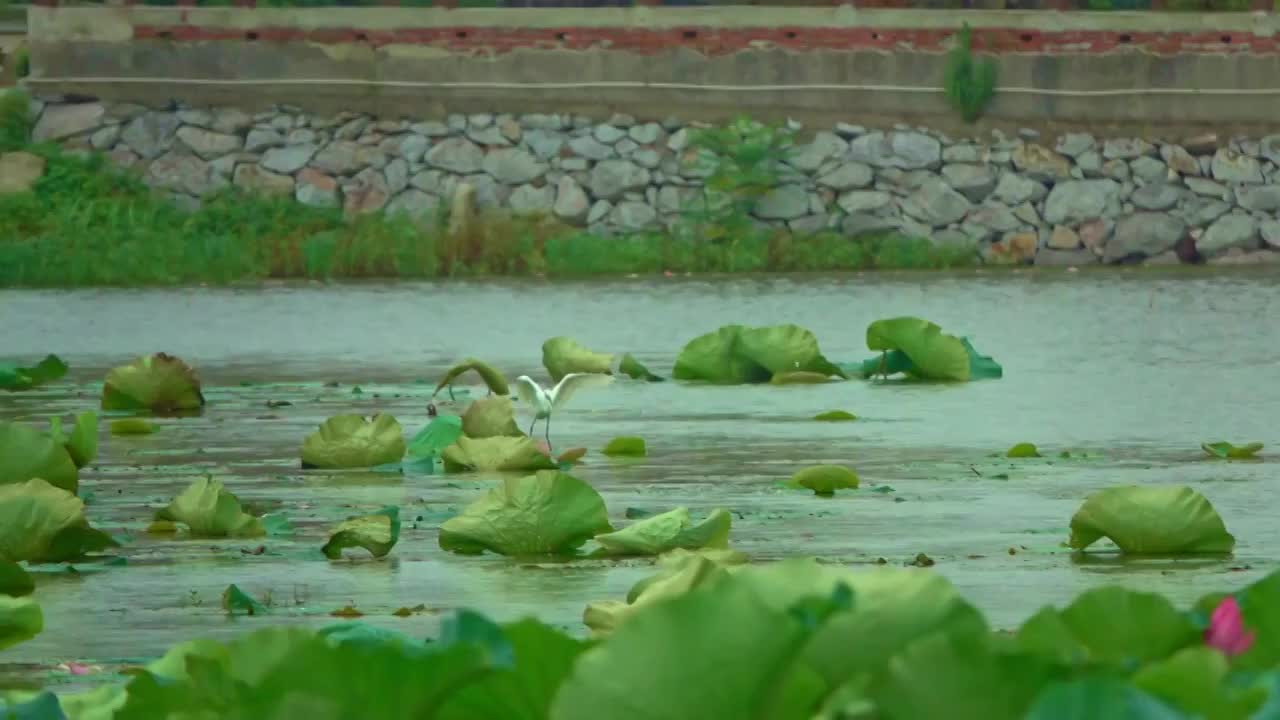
{"x": 527, "y": 390}
{"x": 573, "y": 382}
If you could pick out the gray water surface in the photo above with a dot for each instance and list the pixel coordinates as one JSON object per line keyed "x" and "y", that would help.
{"x": 1132, "y": 368}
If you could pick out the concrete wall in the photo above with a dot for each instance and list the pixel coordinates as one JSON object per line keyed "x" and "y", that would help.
{"x": 1107, "y": 72}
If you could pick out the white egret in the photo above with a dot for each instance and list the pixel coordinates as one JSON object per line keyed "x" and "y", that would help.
{"x": 544, "y": 401}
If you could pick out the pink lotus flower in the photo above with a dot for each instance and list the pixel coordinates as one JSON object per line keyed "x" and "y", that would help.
{"x": 1226, "y": 630}
{"x": 76, "y": 668}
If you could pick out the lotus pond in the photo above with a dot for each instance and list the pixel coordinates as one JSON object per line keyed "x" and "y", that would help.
{"x": 1117, "y": 378}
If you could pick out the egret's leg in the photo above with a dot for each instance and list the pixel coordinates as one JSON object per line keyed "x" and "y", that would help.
{"x": 547, "y": 427}
{"x": 531, "y": 426}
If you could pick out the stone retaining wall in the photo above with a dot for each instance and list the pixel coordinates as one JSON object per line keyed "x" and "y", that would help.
{"x": 1072, "y": 200}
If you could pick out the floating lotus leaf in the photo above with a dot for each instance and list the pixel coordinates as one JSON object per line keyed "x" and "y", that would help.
{"x": 625, "y": 446}
{"x": 43, "y": 523}
{"x": 1233, "y": 452}
{"x": 487, "y": 417}
{"x": 547, "y": 513}
{"x": 736, "y": 354}
{"x": 668, "y": 531}
{"x": 632, "y": 368}
{"x": 1151, "y": 519}
{"x": 14, "y": 378}
{"x": 562, "y": 356}
{"x": 495, "y": 453}
{"x": 157, "y": 383}
{"x": 825, "y": 479}
{"x": 352, "y": 441}
{"x": 208, "y": 509}
{"x": 376, "y": 533}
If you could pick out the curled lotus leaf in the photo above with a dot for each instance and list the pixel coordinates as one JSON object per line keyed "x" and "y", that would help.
{"x": 668, "y": 531}
{"x": 1151, "y": 520}
{"x": 736, "y": 354}
{"x": 157, "y": 383}
{"x": 495, "y": 453}
{"x": 14, "y": 378}
{"x": 492, "y": 377}
{"x": 825, "y": 479}
{"x": 547, "y": 513}
{"x": 352, "y": 441}
{"x": 377, "y": 533}
{"x": 208, "y": 509}
{"x": 1232, "y": 452}
{"x": 492, "y": 416}
{"x": 43, "y": 523}
{"x": 563, "y": 355}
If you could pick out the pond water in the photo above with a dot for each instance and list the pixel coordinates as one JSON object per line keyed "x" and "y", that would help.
{"x": 1133, "y": 368}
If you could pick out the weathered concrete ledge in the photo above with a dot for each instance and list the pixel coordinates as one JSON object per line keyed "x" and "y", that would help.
{"x": 1105, "y": 72}
{"x": 108, "y": 23}
{"x": 1074, "y": 199}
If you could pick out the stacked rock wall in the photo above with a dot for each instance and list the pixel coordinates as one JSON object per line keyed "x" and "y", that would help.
{"x": 1074, "y": 199}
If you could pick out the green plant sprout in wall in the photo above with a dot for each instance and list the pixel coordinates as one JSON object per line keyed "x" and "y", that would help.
{"x": 970, "y": 83}
{"x": 743, "y": 160}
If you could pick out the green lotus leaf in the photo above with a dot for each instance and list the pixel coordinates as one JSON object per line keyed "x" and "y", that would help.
{"x": 431, "y": 440}
{"x": 1151, "y": 520}
{"x": 352, "y": 441}
{"x": 27, "y": 453}
{"x": 487, "y": 417}
{"x": 1195, "y": 680}
{"x": 626, "y": 445}
{"x": 835, "y": 416}
{"x": 20, "y": 620}
{"x": 825, "y": 479}
{"x": 1108, "y": 625}
{"x": 562, "y": 356}
{"x": 377, "y": 533}
{"x": 208, "y": 509}
{"x": 493, "y": 378}
{"x": 238, "y": 602}
{"x": 1098, "y": 698}
{"x": 542, "y": 658}
{"x": 547, "y": 513}
{"x": 727, "y": 652}
{"x": 895, "y": 362}
{"x": 1023, "y": 450}
{"x": 14, "y": 378}
{"x": 283, "y": 672}
{"x": 981, "y": 367}
{"x": 132, "y": 426}
{"x": 668, "y": 531}
{"x": 967, "y": 677}
{"x": 893, "y": 607}
{"x": 82, "y": 443}
{"x": 517, "y": 454}
{"x": 43, "y": 523}
{"x": 15, "y": 581}
{"x": 735, "y": 354}
{"x": 935, "y": 356}
{"x": 632, "y": 368}
{"x": 157, "y": 383}
{"x": 799, "y": 378}
{"x": 1234, "y": 452}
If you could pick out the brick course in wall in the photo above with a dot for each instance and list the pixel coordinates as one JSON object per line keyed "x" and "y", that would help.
{"x": 714, "y": 41}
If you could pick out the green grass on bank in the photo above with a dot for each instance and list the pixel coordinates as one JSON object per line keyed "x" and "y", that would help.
{"x": 86, "y": 223}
